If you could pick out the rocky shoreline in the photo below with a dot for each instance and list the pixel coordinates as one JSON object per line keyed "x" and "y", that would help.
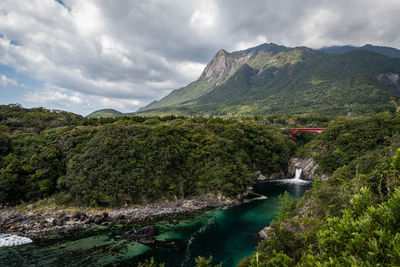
{"x": 40, "y": 225}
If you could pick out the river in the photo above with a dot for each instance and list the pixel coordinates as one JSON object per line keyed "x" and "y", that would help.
{"x": 226, "y": 234}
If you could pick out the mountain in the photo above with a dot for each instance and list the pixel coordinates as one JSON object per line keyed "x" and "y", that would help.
{"x": 105, "y": 113}
{"x": 274, "y": 79}
{"x": 384, "y": 50}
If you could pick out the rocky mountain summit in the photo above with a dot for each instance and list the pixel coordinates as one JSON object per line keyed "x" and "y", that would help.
{"x": 270, "y": 78}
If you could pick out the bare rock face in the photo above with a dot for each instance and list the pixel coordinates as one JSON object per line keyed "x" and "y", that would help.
{"x": 271, "y": 176}
{"x": 264, "y": 232}
{"x": 276, "y": 175}
{"x": 309, "y": 167}
{"x": 223, "y": 64}
{"x": 391, "y": 81}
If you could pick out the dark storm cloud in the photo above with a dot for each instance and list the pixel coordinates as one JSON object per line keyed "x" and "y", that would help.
{"x": 125, "y": 53}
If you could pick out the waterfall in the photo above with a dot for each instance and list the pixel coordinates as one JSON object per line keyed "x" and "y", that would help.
{"x": 298, "y": 174}
{"x": 295, "y": 180}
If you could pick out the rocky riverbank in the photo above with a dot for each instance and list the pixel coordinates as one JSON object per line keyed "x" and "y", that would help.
{"x": 39, "y": 225}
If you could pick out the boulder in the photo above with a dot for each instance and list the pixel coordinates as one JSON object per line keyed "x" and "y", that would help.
{"x": 144, "y": 235}
{"x": 270, "y": 176}
{"x": 264, "y": 232}
{"x": 261, "y": 177}
{"x": 97, "y": 219}
{"x": 76, "y": 215}
{"x": 276, "y": 175}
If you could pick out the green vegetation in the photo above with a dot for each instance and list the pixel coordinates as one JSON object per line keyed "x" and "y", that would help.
{"x": 384, "y": 50}
{"x": 105, "y": 113}
{"x": 113, "y": 161}
{"x": 351, "y": 219}
{"x": 270, "y": 79}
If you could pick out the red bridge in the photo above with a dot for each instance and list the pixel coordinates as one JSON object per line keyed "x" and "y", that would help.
{"x": 295, "y": 130}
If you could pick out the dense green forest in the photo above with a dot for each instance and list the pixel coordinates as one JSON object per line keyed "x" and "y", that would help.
{"x": 113, "y": 161}
{"x": 351, "y": 219}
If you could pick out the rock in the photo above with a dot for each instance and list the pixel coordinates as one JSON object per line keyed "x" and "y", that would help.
{"x": 146, "y": 232}
{"x": 264, "y": 232}
{"x": 308, "y": 166}
{"x": 261, "y": 177}
{"x": 97, "y": 219}
{"x": 30, "y": 214}
{"x": 276, "y": 175}
{"x": 60, "y": 214}
{"x": 76, "y": 215}
{"x": 29, "y": 207}
{"x": 144, "y": 235}
{"x": 121, "y": 217}
{"x": 58, "y": 222}
{"x": 12, "y": 227}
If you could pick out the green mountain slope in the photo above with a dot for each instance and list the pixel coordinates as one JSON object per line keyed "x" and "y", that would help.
{"x": 270, "y": 79}
{"x": 105, "y": 113}
{"x": 384, "y": 50}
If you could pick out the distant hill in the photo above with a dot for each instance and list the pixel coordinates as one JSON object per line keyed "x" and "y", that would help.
{"x": 105, "y": 113}
{"x": 274, "y": 79}
{"x": 383, "y": 50}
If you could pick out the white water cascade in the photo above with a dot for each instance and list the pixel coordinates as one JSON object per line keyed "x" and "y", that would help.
{"x": 296, "y": 179}
{"x": 298, "y": 174}
{"x": 13, "y": 240}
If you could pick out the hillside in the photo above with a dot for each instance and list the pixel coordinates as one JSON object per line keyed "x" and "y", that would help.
{"x": 273, "y": 79}
{"x": 133, "y": 159}
{"x": 105, "y": 113}
{"x": 383, "y": 50}
{"x": 352, "y": 218}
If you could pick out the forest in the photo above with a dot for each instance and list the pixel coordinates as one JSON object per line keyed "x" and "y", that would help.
{"x": 350, "y": 219}
{"x": 110, "y": 162}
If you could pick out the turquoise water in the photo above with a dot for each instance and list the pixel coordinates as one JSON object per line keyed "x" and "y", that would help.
{"x": 226, "y": 234}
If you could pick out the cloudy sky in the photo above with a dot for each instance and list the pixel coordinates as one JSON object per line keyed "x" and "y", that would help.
{"x": 83, "y": 55}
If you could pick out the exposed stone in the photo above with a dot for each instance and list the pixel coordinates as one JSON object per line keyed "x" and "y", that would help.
{"x": 60, "y": 214}
{"x": 58, "y": 222}
{"x": 264, "y": 232}
{"x": 308, "y": 166}
{"x": 97, "y": 219}
{"x": 76, "y": 215}
{"x": 261, "y": 177}
{"x": 53, "y": 224}
{"x": 276, "y": 175}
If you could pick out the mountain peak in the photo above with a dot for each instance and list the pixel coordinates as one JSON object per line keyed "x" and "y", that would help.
{"x": 221, "y": 52}
{"x": 219, "y": 66}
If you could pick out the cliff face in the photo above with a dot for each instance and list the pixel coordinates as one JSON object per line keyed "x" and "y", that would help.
{"x": 310, "y": 169}
{"x": 308, "y": 165}
{"x": 223, "y": 64}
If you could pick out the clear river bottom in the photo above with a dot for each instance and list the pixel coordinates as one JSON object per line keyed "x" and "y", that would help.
{"x": 228, "y": 235}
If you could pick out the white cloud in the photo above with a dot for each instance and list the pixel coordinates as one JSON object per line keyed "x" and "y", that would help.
{"x": 257, "y": 41}
{"x": 59, "y": 97}
{"x": 5, "y": 81}
{"x": 205, "y": 16}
